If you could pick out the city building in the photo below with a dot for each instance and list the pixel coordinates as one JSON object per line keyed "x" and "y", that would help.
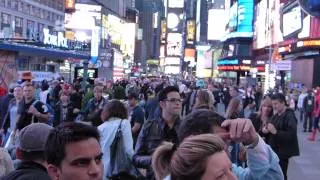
{"x": 32, "y": 39}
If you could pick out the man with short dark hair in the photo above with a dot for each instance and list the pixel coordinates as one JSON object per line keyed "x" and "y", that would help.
{"x": 31, "y": 110}
{"x": 263, "y": 163}
{"x": 163, "y": 128}
{"x": 32, "y": 141}
{"x": 282, "y": 132}
{"x": 73, "y": 153}
{"x": 136, "y": 116}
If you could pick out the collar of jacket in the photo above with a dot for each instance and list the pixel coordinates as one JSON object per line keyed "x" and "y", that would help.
{"x": 31, "y": 165}
{"x": 162, "y": 123}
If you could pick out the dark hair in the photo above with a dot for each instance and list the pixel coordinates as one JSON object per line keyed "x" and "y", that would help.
{"x": 116, "y": 109}
{"x": 133, "y": 95}
{"x": 280, "y": 97}
{"x": 32, "y": 156}
{"x": 199, "y": 122}
{"x": 61, "y": 136}
{"x": 163, "y": 94}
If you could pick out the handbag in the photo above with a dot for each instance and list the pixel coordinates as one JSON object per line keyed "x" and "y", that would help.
{"x": 121, "y": 166}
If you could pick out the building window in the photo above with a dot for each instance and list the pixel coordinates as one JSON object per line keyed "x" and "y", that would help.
{"x": 37, "y": 67}
{"x": 37, "y": 12}
{"x": 2, "y": 3}
{"x": 14, "y": 4}
{"x": 30, "y": 29}
{"x": 5, "y": 21}
{"x": 23, "y": 64}
{"x": 18, "y": 27}
{"x": 42, "y": 13}
{"x": 26, "y": 8}
{"x": 20, "y": 6}
{"x": 8, "y": 4}
{"x": 50, "y": 68}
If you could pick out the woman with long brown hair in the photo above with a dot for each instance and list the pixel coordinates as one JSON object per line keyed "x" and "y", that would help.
{"x": 204, "y": 100}
{"x": 197, "y": 157}
{"x": 234, "y": 109}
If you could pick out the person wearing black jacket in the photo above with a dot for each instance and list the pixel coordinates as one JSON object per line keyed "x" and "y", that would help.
{"x": 31, "y": 153}
{"x": 308, "y": 106}
{"x": 63, "y": 111}
{"x": 282, "y": 130}
{"x": 163, "y": 128}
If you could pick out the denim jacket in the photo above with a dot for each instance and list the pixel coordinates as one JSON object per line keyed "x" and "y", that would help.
{"x": 263, "y": 164}
{"x": 108, "y": 132}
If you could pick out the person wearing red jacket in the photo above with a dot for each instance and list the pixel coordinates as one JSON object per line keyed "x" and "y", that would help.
{"x": 316, "y": 113}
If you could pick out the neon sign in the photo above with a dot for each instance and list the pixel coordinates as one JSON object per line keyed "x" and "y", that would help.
{"x": 228, "y": 62}
{"x": 59, "y": 41}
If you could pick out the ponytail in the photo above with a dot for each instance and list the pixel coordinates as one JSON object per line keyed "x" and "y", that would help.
{"x": 161, "y": 160}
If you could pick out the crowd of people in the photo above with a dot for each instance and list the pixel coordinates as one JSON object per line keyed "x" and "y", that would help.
{"x": 149, "y": 129}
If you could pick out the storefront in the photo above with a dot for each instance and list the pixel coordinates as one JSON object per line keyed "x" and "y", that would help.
{"x": 43, "y": 61}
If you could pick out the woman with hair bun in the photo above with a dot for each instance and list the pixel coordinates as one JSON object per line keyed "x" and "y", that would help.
{"x": 200, "y": 157}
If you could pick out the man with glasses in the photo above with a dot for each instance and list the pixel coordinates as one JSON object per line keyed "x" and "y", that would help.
{"x": 163, "y": 128}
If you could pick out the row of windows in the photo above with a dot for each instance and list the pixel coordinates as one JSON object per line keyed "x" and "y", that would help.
{"x": 6, "y": 20}
{"x": 25, "y": 65}
{"x": 33, "y": 11}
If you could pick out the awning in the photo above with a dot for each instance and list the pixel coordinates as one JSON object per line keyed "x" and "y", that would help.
{"x": 43, "y": 51}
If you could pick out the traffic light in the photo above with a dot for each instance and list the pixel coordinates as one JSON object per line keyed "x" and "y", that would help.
{"x": 312, "y": 7}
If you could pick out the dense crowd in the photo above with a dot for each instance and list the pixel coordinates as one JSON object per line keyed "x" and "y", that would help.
{"x": 151, "y": 128}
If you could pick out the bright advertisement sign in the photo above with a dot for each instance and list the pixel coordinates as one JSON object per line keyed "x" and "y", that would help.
{"x": 204, "y": 63}
{"x": 118, "y": 70}
{"x": 191, "y": 31}
{"x": 240, "y": 19}
{"x": 128, "y": 38}
{"x": 176, "y": 3}
{"x": 217, "y": 21}
{"x": 174, "y": 44}
{"x": 292, "y": 21}
{"x": 163, "y": 31}
{"x": 95, "y": 44}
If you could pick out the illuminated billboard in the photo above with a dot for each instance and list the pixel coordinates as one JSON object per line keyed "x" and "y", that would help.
{"x": 191, "y": 31}
{"x": 174, "y": 44}
{"x": 217, "y": 21}
{"x": 240, "y": 19}
{"x": 176, "y": 3}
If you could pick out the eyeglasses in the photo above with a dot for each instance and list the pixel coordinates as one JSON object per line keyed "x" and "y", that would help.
{"x": 174, "y": 100}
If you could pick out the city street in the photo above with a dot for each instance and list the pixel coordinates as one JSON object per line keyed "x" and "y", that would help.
{"x": 307, "y": 165}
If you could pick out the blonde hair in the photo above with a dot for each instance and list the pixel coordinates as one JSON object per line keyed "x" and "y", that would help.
{"x": 188, "y": 161}
{"x": 266, "y": 101}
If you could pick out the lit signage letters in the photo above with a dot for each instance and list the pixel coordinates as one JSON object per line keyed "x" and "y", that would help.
{"x": 308, "y": 43}
{"x": 228, "y": 62}
{"x": 246, "y": 61}
{"x": 59, "y": 41}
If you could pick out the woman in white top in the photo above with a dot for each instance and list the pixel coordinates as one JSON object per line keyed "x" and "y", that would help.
{"x": 113, "y": 113}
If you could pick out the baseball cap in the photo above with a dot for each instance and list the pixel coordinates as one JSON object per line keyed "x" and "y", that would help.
{"x": 34, "y": 137}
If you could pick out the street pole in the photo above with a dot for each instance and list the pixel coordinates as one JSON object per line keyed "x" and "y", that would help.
{"x": 85, "y": 74}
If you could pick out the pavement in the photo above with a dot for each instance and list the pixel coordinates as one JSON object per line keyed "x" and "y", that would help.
{"x": 307, "y": 165}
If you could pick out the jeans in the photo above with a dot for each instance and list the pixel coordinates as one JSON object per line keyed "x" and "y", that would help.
{"x": 316, "y": 123}
{"x": 307, "y": 117}
{"x": 301, "y": 115}
{"x": 284, "y": 167}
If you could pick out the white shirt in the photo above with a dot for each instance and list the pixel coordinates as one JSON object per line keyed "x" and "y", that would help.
{"x": 301, "y": 99}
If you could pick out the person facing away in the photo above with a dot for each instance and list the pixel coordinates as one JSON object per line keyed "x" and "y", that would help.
{"x": 136, "y": 116}
{"x": 262, "y": 162}
{"x": 31, "y": 153}
{"x": 282, "y": 131}
{"x": 204, "y": 100}
{"x": 163, "y": 128}
{"x": 112, "y": 115}
{"x": 73, "y": 152}
{"x": 197, "y": 157}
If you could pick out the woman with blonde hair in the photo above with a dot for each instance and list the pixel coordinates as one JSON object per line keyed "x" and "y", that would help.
{"x": 197, "y": 157}
{"x": 204, "y": 100}
{"x": 262, "y": 117}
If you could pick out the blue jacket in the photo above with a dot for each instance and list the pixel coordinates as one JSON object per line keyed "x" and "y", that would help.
{"x": 263, "y": 164}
